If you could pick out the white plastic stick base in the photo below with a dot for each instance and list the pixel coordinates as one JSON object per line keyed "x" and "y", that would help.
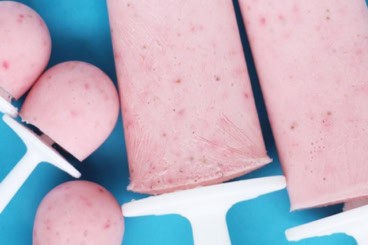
{"x": 37, "y": 152}
{"x": 205, "y": 207}
{"x": 7, "y": 108}
{"x": 353, "y": 222}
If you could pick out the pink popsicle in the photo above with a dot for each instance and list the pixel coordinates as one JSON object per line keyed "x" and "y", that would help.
{"x": 312, "y": 59}
{"x": 78, "y": 212}
{"x": 75, "y": 104}
{"x": 25, "y": 47}
{"x": 188, "y": 108}
{"x": 355, "y": 203}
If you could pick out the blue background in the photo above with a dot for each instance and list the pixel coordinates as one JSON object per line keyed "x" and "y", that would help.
{"x": 80, "y": 31}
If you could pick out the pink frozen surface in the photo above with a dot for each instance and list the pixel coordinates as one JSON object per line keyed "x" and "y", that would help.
{"x": 25, "y": 47}
{"x": 75, "y": 104}
{"x": 355, "y": 204}
{"x": 188, "y": 108}
{"x": 312, "y": 59}
{"x": 78, "y": 212}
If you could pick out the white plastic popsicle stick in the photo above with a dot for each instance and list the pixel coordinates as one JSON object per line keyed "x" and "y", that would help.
{"x": 7, "y": 108}
{"x": 353, "y": 222}
{"x": 205, "y": 207}
{"x": 37, "y": 152}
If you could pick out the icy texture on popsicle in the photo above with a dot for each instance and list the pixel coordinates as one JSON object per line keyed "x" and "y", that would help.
{"x": 312, "y": 59}
{"x": 25, "y": 47}
{"x": 78, "y": 212}
{"x": 188, "y": 108}
{"x": 75, "y": 104}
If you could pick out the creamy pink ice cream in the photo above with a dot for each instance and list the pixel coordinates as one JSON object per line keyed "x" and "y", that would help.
{"x": 312, "y": 60}
{"x": 188, "y": 108}
{"x": 75, "y": 104}
{"x": 25, "y": 47}
{"x": 78, "y": 212}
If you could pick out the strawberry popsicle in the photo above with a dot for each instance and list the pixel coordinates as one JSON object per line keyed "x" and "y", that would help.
{"x": 355, "y": 204}
{"x": 188, "y": 109}
{"x": 78, "y": 212}
{"x": 75, "y": 105}
{"x": 25, "y": 47}
{"x": 312, "y": 59}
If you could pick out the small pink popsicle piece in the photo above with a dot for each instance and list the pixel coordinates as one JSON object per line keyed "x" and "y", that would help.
{"x": 78, "y": 212}
{"x": 312, "y": 59}
{"x": 75, "y": 104}
{"x": 25, "y": 47}
{"x": 188, "y": 108}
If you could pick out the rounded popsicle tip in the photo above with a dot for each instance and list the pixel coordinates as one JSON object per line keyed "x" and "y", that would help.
{"x": 75, "y": 104}
{"x": 25, "y": 47}
{"x": 78, "y": 212}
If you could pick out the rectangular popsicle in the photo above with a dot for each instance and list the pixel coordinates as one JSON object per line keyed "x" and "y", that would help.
{"x": 312, "y": 61}
{"x": 188, "y": 108}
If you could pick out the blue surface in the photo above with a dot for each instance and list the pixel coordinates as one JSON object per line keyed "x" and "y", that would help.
{"x": 80, "y": 31}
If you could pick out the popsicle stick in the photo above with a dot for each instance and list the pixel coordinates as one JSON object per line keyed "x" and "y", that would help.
{"x": 353, "y": 222}
{"x": 7, "y": 108}
{"x": 16, "y": 178}
{"x": 209, "y": 226}
{"x": 205, "y": 207}
{"x": 37, "y": 152}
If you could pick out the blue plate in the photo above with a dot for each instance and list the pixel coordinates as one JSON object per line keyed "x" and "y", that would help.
{"x": 80, "y": 31}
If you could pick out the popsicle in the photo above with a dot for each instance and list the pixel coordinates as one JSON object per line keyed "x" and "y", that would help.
{"x": 25, "y": 47}
{"x": 78, "y": 212}
{"x": 188, "y": 109}
{"x": 76, "y": 106}
{"x": 355, "y": 204}
{"x": 312, "y": 59}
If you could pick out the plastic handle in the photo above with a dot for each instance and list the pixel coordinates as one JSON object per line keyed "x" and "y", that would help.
{"x": 205, "y": 207}
{"x": 353, "y": 222}
{"x": 35, "y": 144}
{"x": 361, "y": 236}
{"x": 210, "y": 227}
{"x": 37, "y": 152}
{"x": 7, "y": 108}
{"x": 16, "y": 178}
